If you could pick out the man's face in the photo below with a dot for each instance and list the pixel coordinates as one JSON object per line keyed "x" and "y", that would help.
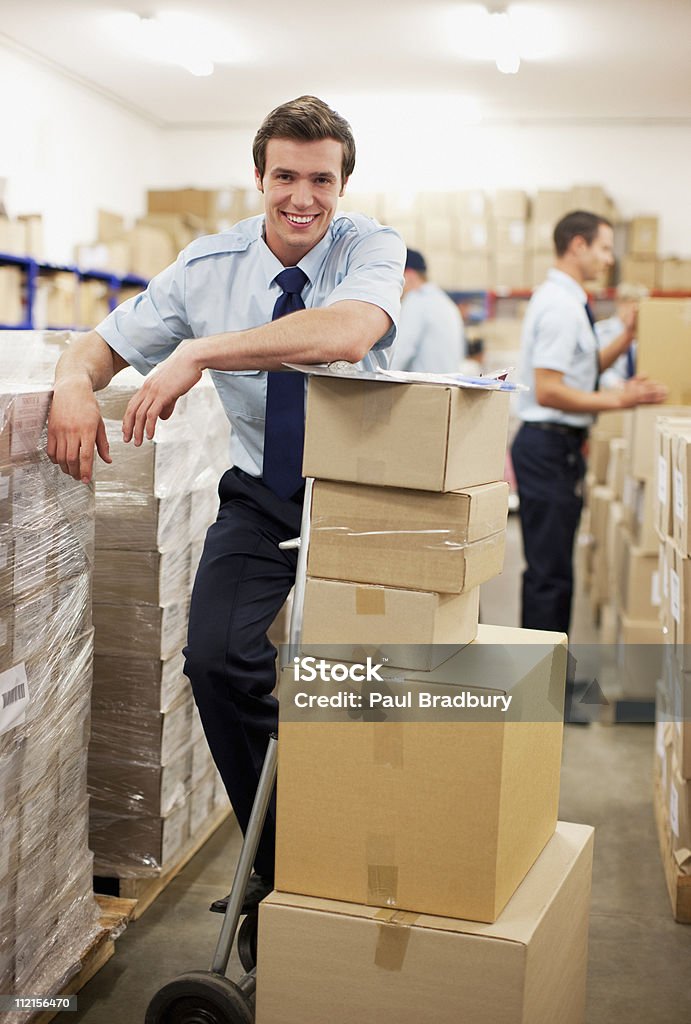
{"x": 301, "y": 186}
{"x": 594, "y": 258}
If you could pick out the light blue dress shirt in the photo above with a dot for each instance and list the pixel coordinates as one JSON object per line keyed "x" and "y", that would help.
{"x": 557, "y": 336}
{"x": 606, "y": 332}
{"x": 225, "y": 282}
{"x": 430, "y": 332}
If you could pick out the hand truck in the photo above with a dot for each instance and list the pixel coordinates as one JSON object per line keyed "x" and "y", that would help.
{"x": 209, "y": 997}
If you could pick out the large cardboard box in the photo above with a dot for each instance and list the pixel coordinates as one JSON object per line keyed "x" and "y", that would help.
{"x": 640, "y": 270}
{"x": 664, "y": 346}
{"x": 141, "y": 577}
{"x": 418, "y": 629}
{"x": 643, "y": 236}
{"x": 510, "y": 203}
{"x": 423, "y": 436}
{"x": 322, "y": 960}
{"x": 639, "y": 657}
{"x": 511, "y": 272}
{"x": 418, "y": 811}
{"x": 402, "y": 538}
{"x": 474, "y": 271}
{"x": 674, "y": 275}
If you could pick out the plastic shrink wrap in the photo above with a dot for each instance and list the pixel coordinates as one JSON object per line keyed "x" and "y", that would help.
{"x": 152, "y": 782}
{"x": 48, "y": 916}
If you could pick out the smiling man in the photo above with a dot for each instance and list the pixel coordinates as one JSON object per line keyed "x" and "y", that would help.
{"x": 298, "y": 284}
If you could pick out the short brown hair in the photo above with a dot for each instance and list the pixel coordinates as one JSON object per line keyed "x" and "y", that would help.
{"x": 580, "y": 224}
{"x": 306, "y": 119}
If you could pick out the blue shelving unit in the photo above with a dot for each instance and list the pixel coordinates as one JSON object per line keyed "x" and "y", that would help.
{"x": 33, "y": 268}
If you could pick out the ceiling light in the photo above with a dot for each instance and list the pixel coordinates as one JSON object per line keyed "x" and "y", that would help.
{"x": 506, "y": 55}
{"x": 185, "y": 40}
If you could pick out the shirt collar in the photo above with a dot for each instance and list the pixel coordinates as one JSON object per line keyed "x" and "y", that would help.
{"x": 566, "y": 281}
{"x": 310, "y": 263}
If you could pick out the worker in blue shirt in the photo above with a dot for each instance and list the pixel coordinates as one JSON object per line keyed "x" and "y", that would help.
{"x": 561, "y": 365}
{"x": 430, "y": 331}
{"x": 298, "y": 284}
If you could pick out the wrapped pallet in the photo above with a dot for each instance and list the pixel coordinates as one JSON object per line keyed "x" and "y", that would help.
{"x": 151, "y": 788}
{"x": 47, "y": 909}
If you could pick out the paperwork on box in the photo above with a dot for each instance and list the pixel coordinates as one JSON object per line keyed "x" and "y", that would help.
{"x": 341, "y": 368}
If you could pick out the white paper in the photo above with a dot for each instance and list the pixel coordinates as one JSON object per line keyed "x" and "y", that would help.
{"x": 662, "y": 479}
{"x": 678, "y": 494}
{"x": 674, "y": 810}
{"x": 674, "y": 595}
{"x": 14, "y": 697}
{"x": 340, "y": 368}
{"x": 655, "y": 599}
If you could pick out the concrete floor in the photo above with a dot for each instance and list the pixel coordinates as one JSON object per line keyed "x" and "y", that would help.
{"x": 639, "y": 959}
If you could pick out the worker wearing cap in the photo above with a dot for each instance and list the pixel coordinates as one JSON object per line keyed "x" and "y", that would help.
{"x": 430, "y": 331}
{"x": 561, "y": 366}
{"x": 296, "y": 285}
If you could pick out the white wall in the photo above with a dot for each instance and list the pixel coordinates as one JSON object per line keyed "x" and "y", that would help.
{"x": 644, "y": 167}
{"x": 66, "y": 151}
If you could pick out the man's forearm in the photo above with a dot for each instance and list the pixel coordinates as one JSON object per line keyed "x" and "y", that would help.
{"x": 88, "y": 360}
{"x": 567, "y": 399}
{"x": 307, "y": 336}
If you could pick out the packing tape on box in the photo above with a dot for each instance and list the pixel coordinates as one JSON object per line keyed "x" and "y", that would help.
{"x": 382, "y": 871}
{"x": 387, "y": 744}
{"x": 370, "y": 601}
{"x": 393, "y": 935}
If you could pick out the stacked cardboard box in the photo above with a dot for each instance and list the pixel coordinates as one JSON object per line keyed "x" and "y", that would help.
{"x": 673, "y": 709}
{"x": 48, "y": 916}
{"x": 387, "y": 814}
{"x": 639, "y": 266}
{"x": 151, "y": 788}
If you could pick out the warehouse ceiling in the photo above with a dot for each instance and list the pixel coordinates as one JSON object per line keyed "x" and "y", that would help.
{"x": 580, "y": 59}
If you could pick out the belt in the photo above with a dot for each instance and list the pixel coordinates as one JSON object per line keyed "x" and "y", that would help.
{"x": 558, "y": 428}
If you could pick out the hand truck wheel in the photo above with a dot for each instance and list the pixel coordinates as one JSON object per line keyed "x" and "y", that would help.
{"x": 247, "y": 940}
{"x": 200, "y": 997}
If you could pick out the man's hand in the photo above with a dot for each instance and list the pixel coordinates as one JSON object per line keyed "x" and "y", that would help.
{"x": 75, "y": 426}
{"x": 641, "y": 391}
{"x": 156, "y": 398}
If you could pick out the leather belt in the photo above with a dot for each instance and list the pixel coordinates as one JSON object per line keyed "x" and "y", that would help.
{"x": 558, "y": 428}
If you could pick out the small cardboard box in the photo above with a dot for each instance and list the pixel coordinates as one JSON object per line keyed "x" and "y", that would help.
{"x": 664, "y": 347}
{"x": 640, "y": 270}
{"x": 447, "y": 543}
{"x": 639, "y": 584}
{"x": 321, "y": 960}
{"x": 643, "y": 236}
{"x": 443, "y": 814}
{"x": 639, "y": 657}
{"x": 511, "y": 203}
{"x": 418, "y": 628}
{"x": 640, "y": 435}
{"x": 674, "y": 275}
{"x": 428, "y": 437}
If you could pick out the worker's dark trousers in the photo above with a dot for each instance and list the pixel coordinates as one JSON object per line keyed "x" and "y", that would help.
{"x": 241, "y": 584}
{"x": 549, "y": 470}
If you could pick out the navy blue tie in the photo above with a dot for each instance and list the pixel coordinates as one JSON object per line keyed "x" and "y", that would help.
{"x": 284, "y": 428}
{"x": 591, "y": 318}
{"x": 630, "y": 363}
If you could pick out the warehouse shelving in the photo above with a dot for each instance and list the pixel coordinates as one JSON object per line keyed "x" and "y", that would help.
{"x": 36, "y": 268}
{"x": 483, "y": 302}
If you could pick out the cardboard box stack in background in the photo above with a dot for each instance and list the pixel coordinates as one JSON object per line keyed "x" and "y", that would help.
{"x": 394, "y": 827}
{"x": 48, "y": 916}
{"x": 673, "y": 706}
{"x": 152, "y": 786}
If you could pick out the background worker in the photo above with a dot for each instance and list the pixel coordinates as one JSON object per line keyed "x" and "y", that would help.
{"x": 624, "y": 319}
{"x": 298, "y": 284}
{"x": 430, "y": 331}
{"x": 561, "y": 365}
